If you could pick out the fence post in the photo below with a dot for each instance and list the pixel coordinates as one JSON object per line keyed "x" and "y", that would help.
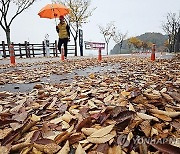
{"x": 56, "y": 48}
{"x": 4, "y": 49}
{"x": 20, "y": 51}
{"x": 53, "y": 49}
{"x": 28, "y": 50}
{"x": 44, "y": 52}
{"x": 25, "y": 43}
{"x": 33, "y": 50}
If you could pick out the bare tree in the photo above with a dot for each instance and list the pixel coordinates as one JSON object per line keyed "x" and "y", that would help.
{"x": 6, "y": 19}
{"x": 108, "y": 32}
{"x": 119, "y": 38}
{"x": 79, "y": 14}
{"x": 171, "y": 26}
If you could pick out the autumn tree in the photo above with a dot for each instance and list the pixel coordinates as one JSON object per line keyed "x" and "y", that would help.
{"x": 137, "y": 43}
{"x": 79, "y": 14}
{"x": 119, "y": 37}
{"x": 108, "y": 32}
{"x": 171, "y": 27}
{"x": 6, "y": 15}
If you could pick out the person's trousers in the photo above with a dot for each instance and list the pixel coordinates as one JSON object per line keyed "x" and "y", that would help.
{"x": 65, "y": 42}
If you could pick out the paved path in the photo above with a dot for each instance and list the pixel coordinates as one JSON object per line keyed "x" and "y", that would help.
{"x": 43, "y": 59}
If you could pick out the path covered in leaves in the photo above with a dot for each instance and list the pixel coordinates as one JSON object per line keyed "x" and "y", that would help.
{"x": 131, "y": 107}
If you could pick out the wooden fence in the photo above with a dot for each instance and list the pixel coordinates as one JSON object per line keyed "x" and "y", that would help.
{"x": 28, "y": 50}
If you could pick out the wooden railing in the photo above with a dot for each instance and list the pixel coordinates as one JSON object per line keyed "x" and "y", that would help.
{"x": 28, "y": 50}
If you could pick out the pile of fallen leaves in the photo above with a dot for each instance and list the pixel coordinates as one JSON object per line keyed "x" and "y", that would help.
{"x": 134, "y": 108}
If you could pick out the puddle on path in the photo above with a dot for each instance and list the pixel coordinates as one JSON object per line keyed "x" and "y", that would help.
{"x": 67, "y": 77}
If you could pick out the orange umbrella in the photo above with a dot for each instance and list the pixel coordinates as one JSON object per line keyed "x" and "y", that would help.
{"x": 53, "y": 11}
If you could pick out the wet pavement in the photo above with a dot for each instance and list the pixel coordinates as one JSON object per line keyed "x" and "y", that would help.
{"x": 54, "y": 78}
{"x": 66, "y": 77}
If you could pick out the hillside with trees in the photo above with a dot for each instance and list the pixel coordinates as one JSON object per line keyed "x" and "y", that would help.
{"x": 142, "y": 42}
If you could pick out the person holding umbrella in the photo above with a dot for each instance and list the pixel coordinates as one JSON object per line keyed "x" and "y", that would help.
{"x": 63, "y": 31}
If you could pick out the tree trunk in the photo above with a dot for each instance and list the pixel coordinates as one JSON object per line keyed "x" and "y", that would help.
{"x": 75, "y": 43}
{"x": 177, "y": 43}
{"x": 8, "y": 36}
{"x": 107, "y": 47}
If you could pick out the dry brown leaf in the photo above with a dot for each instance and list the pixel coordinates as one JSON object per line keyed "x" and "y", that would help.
{"x": 88, "y": 131}
{"x": 53, "y": 103}
{"x": 76, "y": 137}
{"x": 115, "y": 150}
{"x": 62, "y": 137}
{"x": 4, "y": 150}
{"x": 167, "y": 97}
{"x": 146, "y": 128}
{"x": 125, "y": 93}
{"x": 152, "y": 96}
{"x": 4, "y": 132}
{"x": 154, "y": 131}
{"x": 103, "y": 139}
{"x": 147, "y": 117}
{"x": 65, "y": 125}
{"x": 51, "y": 148}
{"x": 170, "y": 114}
{"x": 108, "y": 98}
{"x": 162, "y": 117}
{"x": 175, "y": 95}
{"x": 35, "y": 151}
{"x": 56, "y": 120}
{"x": 167, "y": 148}
{"x": 67, "y": 117}
{"x": 65, "y": 149}
{"x": 103, "y": 131}
{"x": 35, "y": 118}
{"x": 85, "y": 123}
{"x": 80, "y": 150}
{"x": 92, "y": 76}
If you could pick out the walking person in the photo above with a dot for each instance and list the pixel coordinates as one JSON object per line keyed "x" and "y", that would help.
{"x": 63, "y": 31}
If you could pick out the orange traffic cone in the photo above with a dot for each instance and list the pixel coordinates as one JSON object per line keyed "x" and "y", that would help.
{"x": 153, "y": 52}
{"x": 12, "y": 55}
{"x": 99, "y": 55}
{"x": 62, "y": 54}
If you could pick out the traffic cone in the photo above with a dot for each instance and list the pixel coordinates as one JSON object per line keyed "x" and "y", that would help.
{"x": 62, "y": 54}
{"x": 99, "y": 55}
{"x": 153, "y": 52}
{"x": 12, "y": 55}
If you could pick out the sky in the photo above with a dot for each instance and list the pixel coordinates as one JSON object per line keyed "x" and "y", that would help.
{"x": 133, "y": 17}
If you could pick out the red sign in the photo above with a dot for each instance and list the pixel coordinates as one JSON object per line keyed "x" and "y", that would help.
{"x": 94, "y": 45}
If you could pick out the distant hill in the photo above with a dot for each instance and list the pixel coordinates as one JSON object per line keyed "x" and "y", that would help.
{"x": 156, "y": 38}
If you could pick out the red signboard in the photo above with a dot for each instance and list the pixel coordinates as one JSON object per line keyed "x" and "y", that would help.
{"x": 94, "y": 45}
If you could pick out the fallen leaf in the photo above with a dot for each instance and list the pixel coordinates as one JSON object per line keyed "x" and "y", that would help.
{"x": 102, "y": 132}
{"x": 65, "y": 149}
{"x": 147, "y": 117}
{"x": 80, "y": 150}
{"x": 115, "y": 150}
{"x": 167, "y": 148}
